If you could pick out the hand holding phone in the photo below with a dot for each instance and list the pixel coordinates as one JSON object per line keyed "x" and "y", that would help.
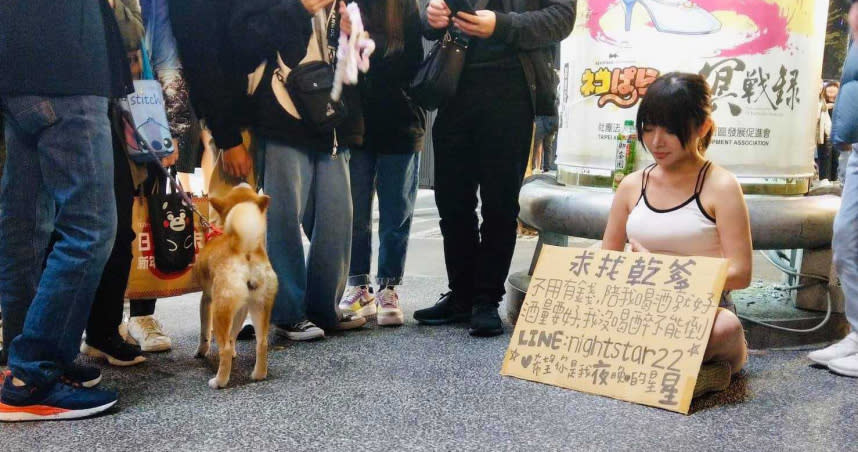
{"x": 460, "y": 5}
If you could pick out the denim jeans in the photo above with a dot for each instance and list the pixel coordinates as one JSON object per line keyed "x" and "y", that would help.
{"x": 309, "y": 189}
{"x": 393, "y": 177}
{"x": 845, "y": 241}
{"x": 59, "y": 176}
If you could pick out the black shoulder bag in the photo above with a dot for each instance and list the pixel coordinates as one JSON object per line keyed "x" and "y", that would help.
{"x": 438, "y": 75}
{"x": 310, "y": 84}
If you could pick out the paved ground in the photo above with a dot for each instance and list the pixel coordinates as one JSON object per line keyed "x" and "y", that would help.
{"x": 424, "y": 388}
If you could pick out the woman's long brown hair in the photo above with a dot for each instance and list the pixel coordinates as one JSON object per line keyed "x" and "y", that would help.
{"x": 393, "y": 17}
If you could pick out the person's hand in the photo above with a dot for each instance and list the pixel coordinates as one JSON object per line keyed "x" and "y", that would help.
{"x": 438, "y": 14}
{"x": 345, "y": 20}
{"x": 481, "y": 25}
{"x": 171, "y": 159}
{"x": 637, "y": 247}
{"x": 314, "y": 6}
{"x": 237, "y": 161}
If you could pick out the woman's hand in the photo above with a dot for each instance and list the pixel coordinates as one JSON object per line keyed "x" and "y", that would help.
{"x": 481, "y": 25}
{"x": 237, "y": 161}
{"x": 637, "y": 247}
{"x": 171, "y": 159}
{"x": 314, "y": 6}
{"x": 438, "y": 14}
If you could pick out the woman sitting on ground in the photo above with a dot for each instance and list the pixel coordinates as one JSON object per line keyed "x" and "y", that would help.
{"x": 685, "y": 205}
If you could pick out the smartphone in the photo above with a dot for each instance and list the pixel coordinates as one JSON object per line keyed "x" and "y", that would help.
{"x": 460, "y": 5}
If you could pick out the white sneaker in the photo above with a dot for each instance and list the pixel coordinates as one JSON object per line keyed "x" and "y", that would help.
{"x": 847, "y": 366}
{"x": 358, "y": 300}
{"x": 846, "y": 347}
{"x": 148, "y": 333}
{"x": 389, "y": 312}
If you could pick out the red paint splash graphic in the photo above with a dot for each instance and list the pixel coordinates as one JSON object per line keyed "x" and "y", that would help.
{"x": 771, "y": 24}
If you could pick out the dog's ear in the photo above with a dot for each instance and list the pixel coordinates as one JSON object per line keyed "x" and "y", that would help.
{"x": 263, "y": 202}
{"x": 218, "y": 205}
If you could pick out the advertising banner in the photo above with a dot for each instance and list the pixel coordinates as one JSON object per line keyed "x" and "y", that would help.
{"x": 762, "y": 59}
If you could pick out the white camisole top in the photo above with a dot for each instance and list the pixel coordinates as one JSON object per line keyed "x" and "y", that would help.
{"x": 684, "y": 230}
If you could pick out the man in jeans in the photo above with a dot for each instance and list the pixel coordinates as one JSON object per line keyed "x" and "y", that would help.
{"x": 61, "y": 62}
{"x": 842, "y": 357}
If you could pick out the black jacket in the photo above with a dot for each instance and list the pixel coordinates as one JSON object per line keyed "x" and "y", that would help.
{"x": 394, "y": 124}
{"x": 531, "y": 27}
{"x": 258, "y": 30}
{"x": 61, "y": 48}
{"x": 217, "y": 88}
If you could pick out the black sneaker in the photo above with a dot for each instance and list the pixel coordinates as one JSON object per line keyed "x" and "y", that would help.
{"x": 57, "y": 401}
{"x": 115, "y": 350}
{"x": 485, "y": 321}
{"x": 301, "y": 331}
{"x": 448, "y": 309}
{"x": 247, "y": 333}
{"x": 80, "y": 375}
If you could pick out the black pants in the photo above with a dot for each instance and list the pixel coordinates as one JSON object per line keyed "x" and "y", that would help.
{"x": 481, "y": 144}
{"x": 106, "y": 313}
{"x": 827, "y": 160}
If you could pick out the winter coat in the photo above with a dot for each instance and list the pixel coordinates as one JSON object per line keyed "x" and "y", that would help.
{"x": 532, "y": 28}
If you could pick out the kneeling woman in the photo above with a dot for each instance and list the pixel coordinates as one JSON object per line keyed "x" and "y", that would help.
{"x": 685, "y": 205}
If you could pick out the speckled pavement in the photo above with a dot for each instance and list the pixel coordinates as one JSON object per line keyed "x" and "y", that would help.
{"x": 430, "y": 388}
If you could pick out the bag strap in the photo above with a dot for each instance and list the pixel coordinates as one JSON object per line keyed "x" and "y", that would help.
{"x": 145, "y": 50}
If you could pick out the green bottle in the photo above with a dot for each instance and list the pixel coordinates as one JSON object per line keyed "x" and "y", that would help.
{"x": 624, "y": 158}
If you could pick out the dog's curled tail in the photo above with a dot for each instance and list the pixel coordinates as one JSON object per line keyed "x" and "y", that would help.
{"x": 246, "y": 222}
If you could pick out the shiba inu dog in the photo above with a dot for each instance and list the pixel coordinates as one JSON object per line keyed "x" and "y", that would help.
{"x": 237, "y": 279}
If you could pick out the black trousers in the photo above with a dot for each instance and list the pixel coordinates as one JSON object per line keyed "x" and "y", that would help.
{"x": 481, "y": 142}
{"x": 106, "y": 313}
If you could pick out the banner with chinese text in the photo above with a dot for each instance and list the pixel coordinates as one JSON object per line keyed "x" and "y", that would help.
{"x": 625, "y": 325}
{"x": 761, "y": 58}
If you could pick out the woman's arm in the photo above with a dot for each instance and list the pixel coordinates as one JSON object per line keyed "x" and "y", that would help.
{"x": 615, "y": 232}
{"x": 723, "y": 195}
{"x": 259, "y": 28}
{"x": 168, "y": 70}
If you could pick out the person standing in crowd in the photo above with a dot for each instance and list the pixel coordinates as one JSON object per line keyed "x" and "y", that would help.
{"x": 217, "y": 92}
{"x": 842, "y": 357}
{"x": 684, "y": 205}
{"x": 546, "y": 126}
{"x": 143, "y": 328}
{"x": 826, "y": 154}
{"x": 386, "y": 165}
{"x": 61, "y": 63}
{"x": 141, "y": 23}
{"x": 305, "y": 171}
{"x": 482, "y": 139}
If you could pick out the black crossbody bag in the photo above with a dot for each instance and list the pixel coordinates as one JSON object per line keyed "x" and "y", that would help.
{"x": 437, "y": 77}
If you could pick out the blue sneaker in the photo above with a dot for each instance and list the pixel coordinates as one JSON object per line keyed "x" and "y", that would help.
{"x": 58, "y": 401}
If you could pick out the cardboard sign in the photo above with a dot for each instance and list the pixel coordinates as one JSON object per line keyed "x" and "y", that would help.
{"x": 630, "y": 326}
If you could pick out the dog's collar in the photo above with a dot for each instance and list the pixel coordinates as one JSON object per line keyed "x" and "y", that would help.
{"x": 213, "y": 232}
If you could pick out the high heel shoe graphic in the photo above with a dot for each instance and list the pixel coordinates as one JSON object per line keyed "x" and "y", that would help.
{"x": 675, "y": 16}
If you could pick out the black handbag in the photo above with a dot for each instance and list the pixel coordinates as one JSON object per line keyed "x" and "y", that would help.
{"x": 309, "y": 85}
{"x": 437, "y": 77}
{"x": 171, "y": 223}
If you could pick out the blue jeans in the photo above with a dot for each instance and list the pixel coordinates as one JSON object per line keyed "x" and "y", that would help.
{"x": 845, "y": 241}
{"x": 59, "y": 176}
{"x": 309, "y": 189}
{"x": 394, "y": 178}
